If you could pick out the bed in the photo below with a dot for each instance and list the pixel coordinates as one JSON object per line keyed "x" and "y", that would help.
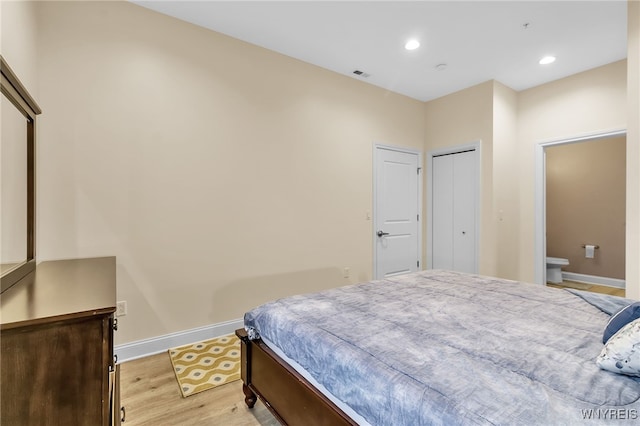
{"x": 435, "y": 347}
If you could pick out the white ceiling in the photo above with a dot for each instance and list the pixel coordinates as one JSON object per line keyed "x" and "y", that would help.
{"x": 477, "y": 40}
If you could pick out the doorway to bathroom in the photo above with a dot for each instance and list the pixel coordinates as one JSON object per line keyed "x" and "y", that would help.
{"x": 580, "y": 210}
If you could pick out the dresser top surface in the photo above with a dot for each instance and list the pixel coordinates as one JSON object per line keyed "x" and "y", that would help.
{"x": 60, "y": 288}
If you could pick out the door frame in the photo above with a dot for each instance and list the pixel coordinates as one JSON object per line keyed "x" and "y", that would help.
{"x": 540, "y": 226}
{"x": 476, "y": 146}
{"x": 406, "y": 150}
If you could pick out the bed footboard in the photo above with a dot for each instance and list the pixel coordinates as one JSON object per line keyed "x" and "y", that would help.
{"x": 287, "y": 395}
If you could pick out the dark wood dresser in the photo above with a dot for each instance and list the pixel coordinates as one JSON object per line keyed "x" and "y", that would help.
{"x": 56, "y": 340}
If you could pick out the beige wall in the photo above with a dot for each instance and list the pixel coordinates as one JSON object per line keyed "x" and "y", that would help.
{"x": 510, "y": 125}
{"x": 506, "y": 205}
{"x": 586, "y": 103}
{"x": 220, "y": 174}
{"x": 459, "y": 119}
{"x": 488, "y": 113}
{"x": 633, "y": 151}
{"x": 18, "y": 48}
{"x": 586, "y": 205}
{"x": 18, "y": 35}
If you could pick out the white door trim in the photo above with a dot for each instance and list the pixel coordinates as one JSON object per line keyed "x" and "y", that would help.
{"x": 376, "y": 147}
{"x": 477, "y": 146}
{"x": 540, "y": 243}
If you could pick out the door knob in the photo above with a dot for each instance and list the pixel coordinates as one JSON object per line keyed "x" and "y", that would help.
{"x": 381, "y": 234}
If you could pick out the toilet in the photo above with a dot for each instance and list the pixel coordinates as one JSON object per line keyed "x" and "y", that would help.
{"x": 554, "y": 269}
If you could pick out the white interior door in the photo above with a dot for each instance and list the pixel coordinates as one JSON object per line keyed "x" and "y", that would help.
{"x": 396, "y": 212}
{"x": 454, "y": 211}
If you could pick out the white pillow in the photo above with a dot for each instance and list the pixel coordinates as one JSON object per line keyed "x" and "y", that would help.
{"x": 621, "y": 354}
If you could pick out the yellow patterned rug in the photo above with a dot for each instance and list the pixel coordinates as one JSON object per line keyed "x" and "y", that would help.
{"x": 206, "y": 364}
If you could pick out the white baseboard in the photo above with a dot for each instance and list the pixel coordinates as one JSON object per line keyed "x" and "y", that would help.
{"x": 146, "y": 347}
{"x": 592, "y": 279}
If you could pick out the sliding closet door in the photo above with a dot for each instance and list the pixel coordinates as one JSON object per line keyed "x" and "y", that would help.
{"x": 442, "y": 216}
{"x": 454, "y": 198}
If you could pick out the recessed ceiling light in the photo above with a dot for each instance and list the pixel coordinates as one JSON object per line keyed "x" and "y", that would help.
{"x": 412, "y": 44}
{"x": 547, "y": 60}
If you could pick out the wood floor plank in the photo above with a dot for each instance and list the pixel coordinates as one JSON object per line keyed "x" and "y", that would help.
{"x": 614, "y": 291}
{"x": 151, "y": 396}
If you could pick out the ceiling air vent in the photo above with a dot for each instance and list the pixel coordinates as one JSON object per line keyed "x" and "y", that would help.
{"x": 361, "y": 74}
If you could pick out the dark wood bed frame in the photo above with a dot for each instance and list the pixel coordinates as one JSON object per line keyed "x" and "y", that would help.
{"x": 288, "y": 395}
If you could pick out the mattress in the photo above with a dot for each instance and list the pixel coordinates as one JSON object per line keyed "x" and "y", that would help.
{"x": 319, "y": 386}
{"x": 441, "y": 347}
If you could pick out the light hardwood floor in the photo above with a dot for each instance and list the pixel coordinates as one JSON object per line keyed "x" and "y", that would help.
{"x": 151, "y": 396}
{"x": 590, "y": 287}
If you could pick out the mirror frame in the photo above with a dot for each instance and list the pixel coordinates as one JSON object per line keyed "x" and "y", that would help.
{"x": 18, "y": 95}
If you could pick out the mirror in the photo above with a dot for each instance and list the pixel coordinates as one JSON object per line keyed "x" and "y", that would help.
{"x": 13, "y": 198}
{"x": 17, "y": 173}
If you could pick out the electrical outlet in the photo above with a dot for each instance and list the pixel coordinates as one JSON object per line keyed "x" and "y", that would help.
{"x": 121, "y": 308}
{"x": 346, "y": 272}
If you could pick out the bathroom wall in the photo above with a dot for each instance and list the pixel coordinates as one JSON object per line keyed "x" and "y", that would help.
{"x": 586, "y": 205}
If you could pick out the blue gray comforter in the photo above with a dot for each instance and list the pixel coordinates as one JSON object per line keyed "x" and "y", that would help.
{"x": 447, "y": 348}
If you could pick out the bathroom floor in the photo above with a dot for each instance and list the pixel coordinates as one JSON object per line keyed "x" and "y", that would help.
{"x": 590, "y": 287}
